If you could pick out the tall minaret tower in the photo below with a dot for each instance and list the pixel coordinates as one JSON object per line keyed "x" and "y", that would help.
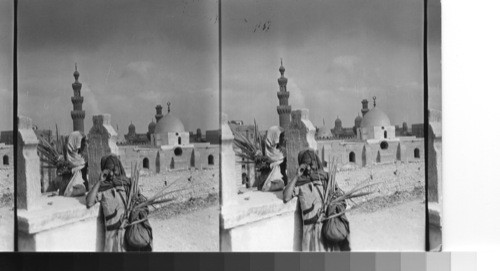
{"x": 77, "y": 114}
{"x": 284, "y": 109}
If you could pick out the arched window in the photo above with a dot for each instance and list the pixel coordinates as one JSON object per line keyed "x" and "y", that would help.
{"x": 210, "y": 159}
{"x": 178, "y": 151}
{"x": 5, "y": 160}
{"x": 385, "y": 134}
{"x": 179, "y": 140}
{"x": 416, "y": 153}
{"x": 352, "y": 157}
{"x": 145, "y": 163}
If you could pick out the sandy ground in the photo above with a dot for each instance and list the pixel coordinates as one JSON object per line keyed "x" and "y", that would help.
{"x": 195, "y": 231}
{"x": 6, "y": 229}
{"x": 400, "y": 227}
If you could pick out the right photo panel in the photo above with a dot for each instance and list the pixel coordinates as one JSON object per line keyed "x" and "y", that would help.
{"x": 323, "y": 127}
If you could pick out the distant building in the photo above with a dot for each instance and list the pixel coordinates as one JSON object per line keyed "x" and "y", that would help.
{"x": 7, "y": 137}
{"x": 418, "y": 130}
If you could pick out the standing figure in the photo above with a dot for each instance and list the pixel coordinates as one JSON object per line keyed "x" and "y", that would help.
{"x": 274, "y": 180}
{"x": 309, "y": 186}
{"x": 73, "y": 184}
{"x": 111, "y": 191}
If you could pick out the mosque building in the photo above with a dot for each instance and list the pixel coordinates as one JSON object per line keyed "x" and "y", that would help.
{"x": 372, "y": 140}
{"x": 165, "y": 146}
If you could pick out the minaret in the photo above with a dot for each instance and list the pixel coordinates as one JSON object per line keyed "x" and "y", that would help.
{"x": 365, "y": 109}
{"x": 77, "y": 114}
{"x": 284, "y": 109}
{"x": 159, "y": 113}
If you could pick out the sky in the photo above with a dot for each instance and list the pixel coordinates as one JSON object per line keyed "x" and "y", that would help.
{"x": 335, "y": 53}
{"x": 131, "y": 56}
{"x": 6, "y": 68}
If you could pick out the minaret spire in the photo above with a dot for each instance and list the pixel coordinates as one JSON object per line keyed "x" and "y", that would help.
{"x": 283, "y": 108}
{"x": 77, "y": 114}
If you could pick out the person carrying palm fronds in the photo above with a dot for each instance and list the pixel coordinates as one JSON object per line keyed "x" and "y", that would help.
{"x": 309, "y": 185}
{"x": 111, "y": 191}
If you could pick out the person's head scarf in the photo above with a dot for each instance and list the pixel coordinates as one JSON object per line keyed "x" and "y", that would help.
{"x": 315, "y": 171}
{"x": 73, "y": 147}
{"x": 119, "y": 177}
{"x": 272, "y": 140}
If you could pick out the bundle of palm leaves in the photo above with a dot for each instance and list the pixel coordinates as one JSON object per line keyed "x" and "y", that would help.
{"x": 137, "y": 202}
{"x": 251, "y": 151}
{"x": 53, "y": 155}
{"x": 334, "y": 196}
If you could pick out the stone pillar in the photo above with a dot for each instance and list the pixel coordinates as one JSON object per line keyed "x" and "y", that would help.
{"x": 299, "y": 136}
{"x": 228, "y": 159}
{"x": 434, "y": 179}
{"x": 28, "y": 166}
{"x": 101, "y": 141}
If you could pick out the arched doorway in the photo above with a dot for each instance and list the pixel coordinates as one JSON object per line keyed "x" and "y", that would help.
{"x": 157, "y": 162}
{"x": 352, "y": 157}
{"x": 416, "y": 153}
{"x": 172, "y": 163}
{"x": 210, "y": 159}
{"x": 378, "y": 157}
{"x": 398, "y": 153}
{"x": 193, "y": 159}
{"x": 5, "y": 160}
{"x": 145, "y": 163}
{"x": 363, "y": 156}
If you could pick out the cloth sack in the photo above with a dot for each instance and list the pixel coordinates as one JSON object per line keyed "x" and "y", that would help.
{"x": 336, "y": 229}
{"x": 139, "y": 237}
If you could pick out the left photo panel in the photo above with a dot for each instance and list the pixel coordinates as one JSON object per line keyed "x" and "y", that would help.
{"x": 118, "y": 116}
{"x": 6, "y": 129}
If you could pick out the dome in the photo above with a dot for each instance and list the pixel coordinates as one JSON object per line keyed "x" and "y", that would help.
{"x": 338, "y": 121}
{"x": 169, "y": 124}
{"x": 152, "y": 125}
{"x": 375, "y": 117}
{"x": 324, "y": 132}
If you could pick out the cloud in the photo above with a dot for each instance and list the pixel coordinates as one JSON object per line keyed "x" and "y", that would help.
{"x": 297, "y": 98}
{"x": 91, "y": 102}
{"x": 139, "y": 69}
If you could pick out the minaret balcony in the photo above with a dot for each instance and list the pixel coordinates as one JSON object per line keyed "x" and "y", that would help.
{"x": 284, "y": 109}
{"x": 283, "y": 94}
{"x": 77, "y": 114}
{"x": 77, "y": 99}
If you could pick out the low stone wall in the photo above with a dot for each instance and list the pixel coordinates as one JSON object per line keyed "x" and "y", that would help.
{"x": 261, "y": 222}
{"x": 61, "y": 224}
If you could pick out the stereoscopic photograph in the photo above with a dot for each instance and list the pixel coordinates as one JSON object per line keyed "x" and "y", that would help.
{"x": 6, "y": 135}
{"x": 119, "y": 131}
{"x": 323, "y": 126}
